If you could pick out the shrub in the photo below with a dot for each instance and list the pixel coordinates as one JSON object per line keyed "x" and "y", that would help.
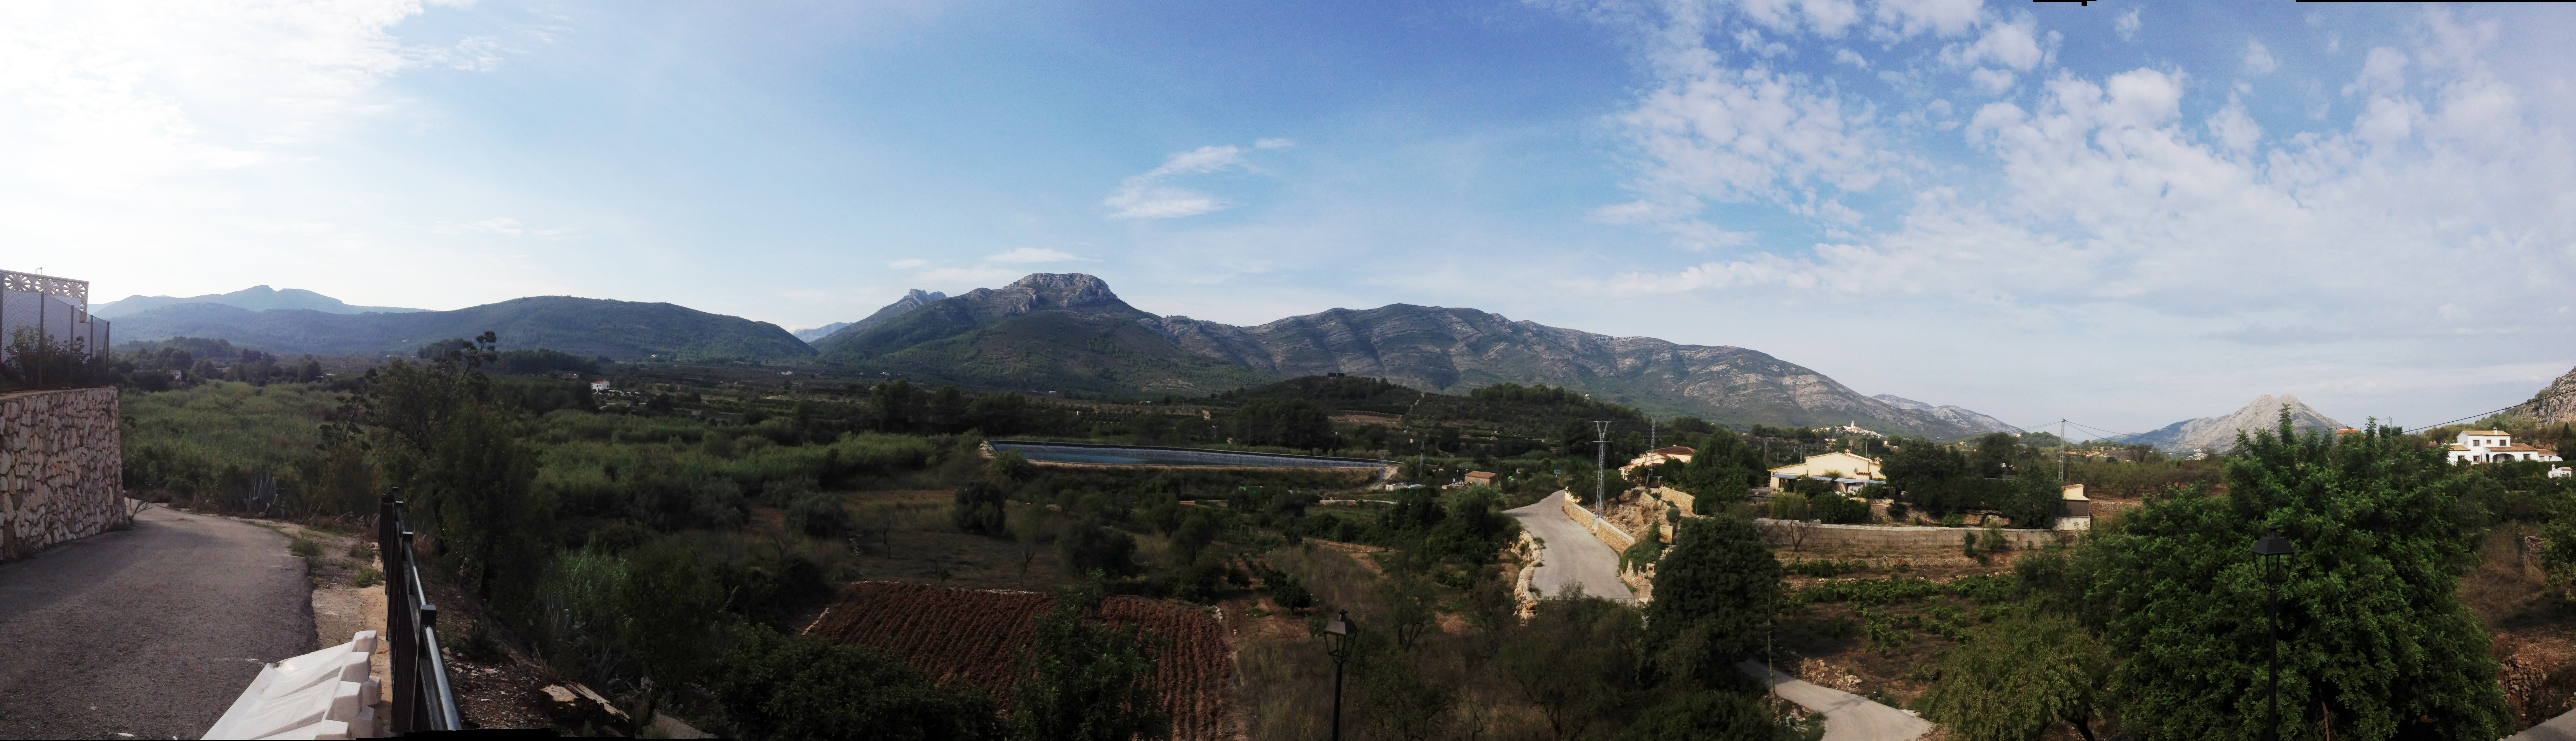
{"x": 1644, "y": 553}
{"x": 718, "y": 504}
{"x": 367, "y": 577}
{"x": 305, "y": 547}
{"x": 781, "y": 687}
{"x": 1840, "y": 510}
{"x": 978, "y": 508}
{"x": 818, "y": 515}
{"x": 1013, "y": 467}
{"x": 1953, "y": 519}
{"x": 1193, "y": 535}
{"x": 1896, "y": 511}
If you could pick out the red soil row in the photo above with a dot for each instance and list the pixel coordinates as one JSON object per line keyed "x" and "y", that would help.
{"x": 975, "y": 636}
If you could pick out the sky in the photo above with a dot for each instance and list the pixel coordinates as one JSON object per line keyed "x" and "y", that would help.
{"x": 2123, "y": 214}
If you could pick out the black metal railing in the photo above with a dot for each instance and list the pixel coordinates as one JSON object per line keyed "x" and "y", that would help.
{"x": 423, "y": 699}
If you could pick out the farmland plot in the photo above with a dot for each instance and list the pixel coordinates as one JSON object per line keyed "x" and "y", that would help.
{"x": 975, "y": 636}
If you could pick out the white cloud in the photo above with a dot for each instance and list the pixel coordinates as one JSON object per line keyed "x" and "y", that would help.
{"x": 2233, "y": 129}
{"x": 2258, "y": 60}
{"x": 1273, "y": 143}
{"x": 1146, "y": 197}
{"x": 1993, "y": 81}
{"x": 907, "y": 263}
{"x": 1905, "y": 18}
{"x": 1847, "y": 56}
{"x": 1738, "y": 135}
{"x": 2014, "y": 45}
{"x": 2127, "y": 25}
{"x": 1031, "y": 255}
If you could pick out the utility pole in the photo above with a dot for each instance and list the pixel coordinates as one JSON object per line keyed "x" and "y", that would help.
{"x": 1602, "y": 462}
{"x": 2061, "y": 451}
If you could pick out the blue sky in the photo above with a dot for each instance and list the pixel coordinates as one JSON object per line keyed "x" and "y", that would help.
{"x": 2124, "y": 214}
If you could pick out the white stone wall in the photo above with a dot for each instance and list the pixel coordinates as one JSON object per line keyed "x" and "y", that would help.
{"x": 61, "y": 468}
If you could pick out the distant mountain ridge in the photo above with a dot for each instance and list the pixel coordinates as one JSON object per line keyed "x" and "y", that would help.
{"x": 620, "y": 330}
{"x": 1956, "y": 415}
{"x": 811, "y": 334}
{"x": 2219, "y": 433}
{"x": 254, "y": 298}
{"x": 1070, "y": 332}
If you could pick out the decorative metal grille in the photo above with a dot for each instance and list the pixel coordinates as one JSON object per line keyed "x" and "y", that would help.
{"x": 46, "y": 284}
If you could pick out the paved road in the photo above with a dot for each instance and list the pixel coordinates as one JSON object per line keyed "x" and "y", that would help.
{"x": 1571, "y": 555}
{"x": 1848, "y": 717}
{"x": 151, "y": 631}
{"x": 2561, "y": 728}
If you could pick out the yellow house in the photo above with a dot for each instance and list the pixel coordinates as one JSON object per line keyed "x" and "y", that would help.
{"x": 1847, "y": 470}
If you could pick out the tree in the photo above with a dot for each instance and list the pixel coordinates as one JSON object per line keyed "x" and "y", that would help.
{"x": 2018, "y": 677}
{"x": 1576, "y": 660}
{"x": 1932, "y": 476}
{"x": 1290, "y": 423}
{"x": 1087, "y": 681}
{"x": 2034, "y": 499}
{"x": 2370, "y": 624}
{"x": 1715, "y": 590}
{"x": 1705, "y": 715}
{"x": 1088, "y": 546}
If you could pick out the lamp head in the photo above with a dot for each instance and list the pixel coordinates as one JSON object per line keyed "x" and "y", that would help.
{"x": 1340, "y": 625}
{"x": 2273, "y": 546}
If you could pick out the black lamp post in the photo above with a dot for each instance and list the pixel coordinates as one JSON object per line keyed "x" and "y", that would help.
{"x": 2270, "y": 549}
{"x": 1337, "y": 642}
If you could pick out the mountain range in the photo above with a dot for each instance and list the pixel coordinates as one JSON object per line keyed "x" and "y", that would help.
{"x": 2219, "y": 433}
{"x": 1070, "y": 333}
{"x": 619, "y": 330}
{"x": 1956, "y": 415}
{"x": 254, "y": 298}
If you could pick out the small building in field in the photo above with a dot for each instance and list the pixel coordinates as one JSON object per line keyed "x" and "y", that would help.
{"x": 1846, "y": 470}
{"x": 1484, "y": 478}
{"x": 598, "y": 386}
{"x": 2494, "y": 446}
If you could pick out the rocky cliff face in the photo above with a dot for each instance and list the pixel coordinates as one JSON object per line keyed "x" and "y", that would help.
{"x": 2219, "y": 433}
{"x": 2555, "y": 404}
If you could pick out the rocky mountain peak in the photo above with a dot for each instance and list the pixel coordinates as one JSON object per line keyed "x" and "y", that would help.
{"x": 1042, "y": 291}
{"x": 2219, "y": 433}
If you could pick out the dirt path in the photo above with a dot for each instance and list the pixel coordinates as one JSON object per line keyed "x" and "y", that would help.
{"x": 1570, "y": 556}
{"x": 150, "y": 632}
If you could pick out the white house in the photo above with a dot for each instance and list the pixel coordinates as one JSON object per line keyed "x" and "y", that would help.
{"x": 2491, "y": 446}
{"x": 1660, "y": 456}
{"x": 1847, "y": 470}
{"x": 597, "y": 386}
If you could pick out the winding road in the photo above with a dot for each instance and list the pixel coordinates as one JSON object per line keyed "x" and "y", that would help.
{"x": 1569, "y": 554}
{"x": 150, "y": 632}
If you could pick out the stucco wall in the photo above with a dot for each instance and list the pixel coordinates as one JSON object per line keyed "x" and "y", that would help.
{"x": 61, "y": 470}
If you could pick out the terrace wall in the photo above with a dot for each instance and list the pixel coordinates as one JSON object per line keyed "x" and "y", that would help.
{"x": 1820, "y": 535}
{"x": 61, "y": 469}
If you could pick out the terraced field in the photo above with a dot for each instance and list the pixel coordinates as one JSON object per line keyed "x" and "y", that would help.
{"x": 975, "y": 636}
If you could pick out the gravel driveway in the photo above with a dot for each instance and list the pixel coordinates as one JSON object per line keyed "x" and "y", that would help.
{"x": 1570, "y": 555}
{"x": 151, "y": 632}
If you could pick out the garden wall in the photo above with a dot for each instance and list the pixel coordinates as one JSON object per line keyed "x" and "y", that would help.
{"x": 61, "y": 470}
{"x": 1822, "y": 535}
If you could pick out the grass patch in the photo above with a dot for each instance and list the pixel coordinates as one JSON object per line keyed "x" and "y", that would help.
{"x": 367, "y": 577}
{"x": 306, "y": 547}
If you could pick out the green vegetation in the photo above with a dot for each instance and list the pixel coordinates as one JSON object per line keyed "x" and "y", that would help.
{"x": 2016, "y": 678}
{"x": 2380, "y": 639}
{"x": 1089, "y": 681}
{"x": 625, "y": 330}
{"x": 795, "y": 688}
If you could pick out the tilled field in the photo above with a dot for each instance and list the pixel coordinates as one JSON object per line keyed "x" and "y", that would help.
{"x": 975, "y": 636}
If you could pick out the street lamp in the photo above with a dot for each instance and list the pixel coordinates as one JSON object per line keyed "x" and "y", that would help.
{"x": 1337, "y": 643}
{"x": 2270, "y": 549}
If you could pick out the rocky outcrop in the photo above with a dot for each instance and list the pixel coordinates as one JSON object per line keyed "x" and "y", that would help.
{"x": 61, "y": 470}
{"x": 2219, "y": 433}
{"x": 2556, "y": 404}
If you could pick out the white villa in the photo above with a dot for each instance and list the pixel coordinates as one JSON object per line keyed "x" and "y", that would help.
{"x": 1660, "y": 456}
{"x": 2492, "y": 446}
{"x": 1847, "y": 470}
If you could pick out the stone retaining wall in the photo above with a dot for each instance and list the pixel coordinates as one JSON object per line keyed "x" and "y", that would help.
{"x": 1819, "y": 535}
{"x": 61, "y": 468}
{"x": 1611, "y": 534}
